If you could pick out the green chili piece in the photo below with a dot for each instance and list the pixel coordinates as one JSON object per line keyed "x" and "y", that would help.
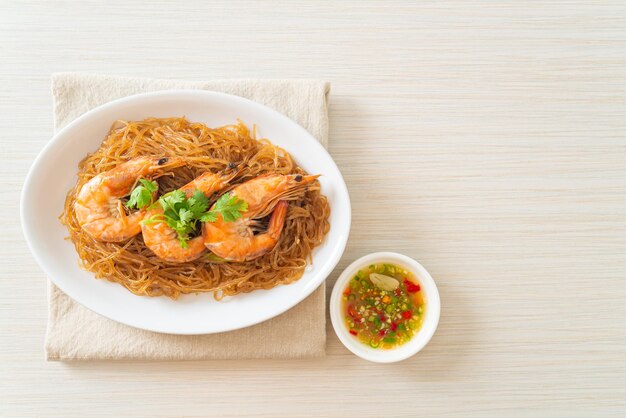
{"x": 374, "y": 344}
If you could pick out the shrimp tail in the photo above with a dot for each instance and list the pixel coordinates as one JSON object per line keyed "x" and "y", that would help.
{"x": 260, "y": 244}
{"x": 263, "y": 243}
{"x": 277, "y": 220}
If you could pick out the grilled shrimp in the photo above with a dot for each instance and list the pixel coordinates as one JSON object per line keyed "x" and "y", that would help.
{"x": 270, "y": 193}
{"x": 163, "y": 240}
{"x": 99, "y": 208}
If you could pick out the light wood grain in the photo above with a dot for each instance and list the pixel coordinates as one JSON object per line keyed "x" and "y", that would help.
{"x": 485, "y": 139}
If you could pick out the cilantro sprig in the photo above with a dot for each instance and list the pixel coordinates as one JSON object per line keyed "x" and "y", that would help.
{"x": 182, "y": 213}
{"x": 229, "y": 206}
{"x": 142, "y": 195}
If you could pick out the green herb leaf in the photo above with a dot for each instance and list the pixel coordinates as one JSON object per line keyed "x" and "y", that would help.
{"x": 198, "y": 203}
{"x": 209, "y": 217}
{"x": 172, "y": 201}
{"x": 141, "y": 196}
{"x": 230, "y": 207}
{"x": 212, "y": 258}
{"x": 186, "y": 216}
{"x": 182, "y": 213}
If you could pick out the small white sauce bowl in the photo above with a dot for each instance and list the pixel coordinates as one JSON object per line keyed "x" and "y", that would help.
{"x": 415, "y": 344}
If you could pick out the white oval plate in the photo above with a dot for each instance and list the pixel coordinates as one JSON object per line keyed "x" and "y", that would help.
{"x": 54, "y": 172}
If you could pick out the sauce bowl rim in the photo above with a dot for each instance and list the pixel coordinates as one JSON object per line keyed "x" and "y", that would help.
{"x": 415, "y": 344}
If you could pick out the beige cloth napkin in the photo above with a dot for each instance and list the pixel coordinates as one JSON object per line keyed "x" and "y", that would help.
{"x": 76, "y": 333}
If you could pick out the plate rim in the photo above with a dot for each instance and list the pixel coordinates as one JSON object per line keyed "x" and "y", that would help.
{"x": 30, "y": 179}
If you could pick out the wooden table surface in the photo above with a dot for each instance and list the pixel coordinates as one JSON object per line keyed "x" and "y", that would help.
{"x": 485, "y": 139}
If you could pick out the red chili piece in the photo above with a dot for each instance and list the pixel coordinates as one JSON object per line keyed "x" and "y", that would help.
{"x": 394, "y": 326}
{"x": 353, "y": 332}
{"x": 407, "y": 314}
{"x": 411, "y": 287}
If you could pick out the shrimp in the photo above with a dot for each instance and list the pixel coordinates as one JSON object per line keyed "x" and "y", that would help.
{"x": 269, "y": 193}
{"x": 98, "y": 207}
{"x": 163, "y": 240}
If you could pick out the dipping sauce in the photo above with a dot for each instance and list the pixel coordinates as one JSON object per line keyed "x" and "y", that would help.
{"x": 383, "y": 305}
